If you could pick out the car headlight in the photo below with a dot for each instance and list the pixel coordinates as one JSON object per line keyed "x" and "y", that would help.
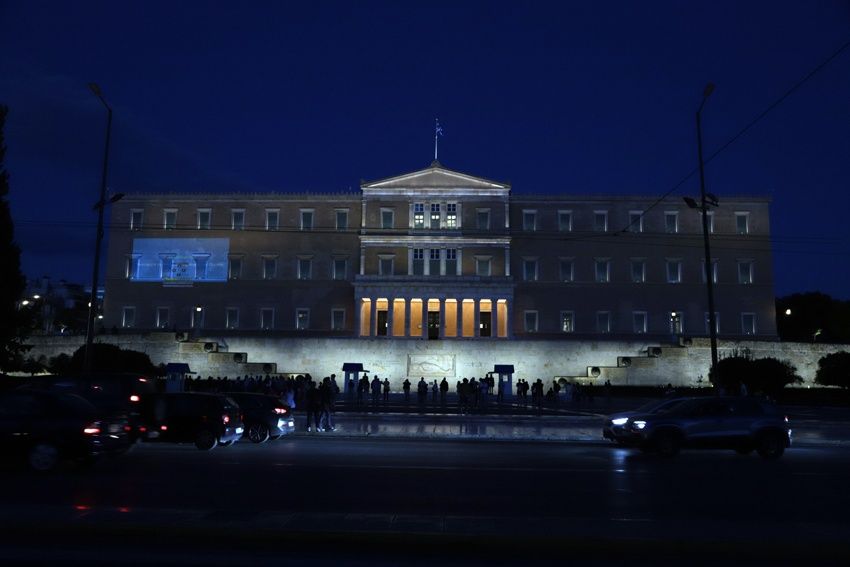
{"x": 640, "y": 424}
{"x": 620, "y": 421}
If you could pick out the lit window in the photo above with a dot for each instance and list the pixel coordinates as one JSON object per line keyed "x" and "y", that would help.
{"x": 272, "y": 219}
{"x": 677, "y": 323}
{"x": 674, "y": 271}
{"x": 302, "y": 319}
{"x": 237, "y": 219}
{"x": 451, "y": 215}
{"x": 568, "y": 321}
{"x": 419, "y": 215}
{"x": 603, "y": 271}
{"x": 435, "y": 215}
{"x": 204, "y": 219}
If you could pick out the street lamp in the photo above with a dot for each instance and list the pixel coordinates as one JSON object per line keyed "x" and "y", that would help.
{"x": 706, "y": 200}
{"x": 100, "y": 205}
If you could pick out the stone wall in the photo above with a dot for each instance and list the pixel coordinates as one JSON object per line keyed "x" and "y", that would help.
{"x": 621, "y": 362}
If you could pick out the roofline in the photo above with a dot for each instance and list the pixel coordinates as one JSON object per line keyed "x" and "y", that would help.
{"x": 435, "y": 165}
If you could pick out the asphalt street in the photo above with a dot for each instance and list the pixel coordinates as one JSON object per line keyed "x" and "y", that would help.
{"x": 583, "y": 497}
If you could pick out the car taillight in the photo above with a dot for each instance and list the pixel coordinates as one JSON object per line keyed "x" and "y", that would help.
{"x": 163, "y": 427}
{"x": 92, "y": 428}
{"x": 134, "y": 398}
{"x": 281, "y": 411}
{"x": 225, "y": 419}
{"x": 127, "y": 428}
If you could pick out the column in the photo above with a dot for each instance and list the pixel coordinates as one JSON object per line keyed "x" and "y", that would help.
{"x": 426, "y": 268}
{"x": 460, "y": 266}
{"x": 442, "y": 317}
{"x": 507, "y": 261}
{"x": 459, "y": 318}
{"x": 494, "y": 319}
{"x": 508, "y": 304}
{"x": 409, "y": 263}
{"x": 362, "y": 260}
{"x": 476, "y": 331}
{"x": 358, "y": 309}
{"x": 390, "y": 314}
{"x": 423, "y": 332}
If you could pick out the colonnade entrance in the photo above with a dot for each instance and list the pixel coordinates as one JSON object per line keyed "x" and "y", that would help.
{"x": 433, "y": 318}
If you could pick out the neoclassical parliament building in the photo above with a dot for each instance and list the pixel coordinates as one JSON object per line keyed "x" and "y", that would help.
{"x": 437, "y": 255}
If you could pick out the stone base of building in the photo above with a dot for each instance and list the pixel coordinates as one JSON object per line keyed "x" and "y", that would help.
{"x": 620, "y": 362}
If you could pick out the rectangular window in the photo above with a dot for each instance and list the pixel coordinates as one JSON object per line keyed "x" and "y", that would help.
{"x": 162, "y": 317}
{"x": 434, "y": 262}
{"x": 234, "y": 268}
{"x": 674, "y": 271}
{"x": 269, "y": 268}
{"x": 483, "y": 219}
{"x": 568, "y": 322}
{"x": 530, "y": 318}
{"x": 635, "y": 221}
{"x": 748, "y": 323}
{"x": 638, "y": 271}
{"x": 565, "y": 221}
{"x": 306, "y": 219}
{"x": 567, "y": 270}
{"x": 136, "y": 219}
{"x": 529, "y": 220}
{"x": 600, "y": 221}
{"x": 169, "y": 219}
{"x": 386, "y": 265}
{"x": 237, "y": 219}
{"x": 482, "y": 266}
{"x": 603, "y": 271}
{"x": 418, "y": 215}
{"x": 131, "y": 270}
{"x": 603, "y": 322}
{"x": 128, "y": 317}
{"x": 305, "y": 269}
{"x": 714, "y": 270}
{"x": 340, "y": 268}
{"x": 742, "y": 223}
{"x": 716, "y": 323}
{"x": 272, "y": 219}
{"x": 435, "y": 215}
{"x": 204, "y": 219}
{"x": 745, "y": 271}
{"x": 201, "y": 262}
{"x": 302, "y": 318}
{"x": 451, "y": 215}
{"x": 267, "y": 318}
{"x": 342, "y": 220}
{"x": 166, "y": 263}
{"x": 451, "y": 261}
{"x": 639, "y": 322}
{"x": 387, "y": 218}
{"x": 337, "y": 319}
{"x": 671, "y": 222}
{"x": 197, "y": 317}
{"x": 529, "y": 270}
{"x": 677, "y": 323}
{"x": 231, "y": 318}
{"x": 710, "y": 219}
{"x": 418, "y": 261}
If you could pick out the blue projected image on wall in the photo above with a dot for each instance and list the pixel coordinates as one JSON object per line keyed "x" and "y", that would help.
{"x": 179, "y": 260}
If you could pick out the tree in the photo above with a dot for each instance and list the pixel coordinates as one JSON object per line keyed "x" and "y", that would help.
{"x": 810, "y": 313}
{"x": 14, "y": 321}
{"x": 110, "y": 358}
{"x": 834, "y": 370}
{"x": 766, "y": 376}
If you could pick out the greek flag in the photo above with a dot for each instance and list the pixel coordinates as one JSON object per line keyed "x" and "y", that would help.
{"x": 439, "y": 129}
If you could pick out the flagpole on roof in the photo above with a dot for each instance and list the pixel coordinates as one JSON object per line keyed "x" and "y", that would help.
{"x": 438, "y": 131}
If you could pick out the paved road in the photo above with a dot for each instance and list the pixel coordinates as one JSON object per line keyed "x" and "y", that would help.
{"x": 502, "y": 496}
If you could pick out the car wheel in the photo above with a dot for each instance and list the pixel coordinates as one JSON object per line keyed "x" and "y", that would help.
{"x": 258, "y": 433}
{"x": 43, "y": 457}
{"x": 771, "y": 446}
{"x": 667, "y": 444}
{"x": 206, "y": 441}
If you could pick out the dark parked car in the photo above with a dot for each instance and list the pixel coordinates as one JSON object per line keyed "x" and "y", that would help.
{"x": 44, "y": 428}
{"x": 264, "y": 416}
{"x": 117, "y": 394}
{"x": 743, "y": 424}
{"x": 207, "y": 420}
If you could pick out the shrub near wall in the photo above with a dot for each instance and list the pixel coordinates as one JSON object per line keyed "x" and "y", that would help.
{"x": 766, "y": 376}
{"x": 834, "y": 370}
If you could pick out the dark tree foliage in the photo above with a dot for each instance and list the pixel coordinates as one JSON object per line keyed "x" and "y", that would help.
{"x": 110, "y": 358}
{"x": 14, "y": 321}
{"x": 766, "y": 376}
{"x": 834, "y": 370}
{"x": 810, "y": 313}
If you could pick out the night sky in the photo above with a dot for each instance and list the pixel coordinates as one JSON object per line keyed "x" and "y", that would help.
{"x": 585, "y": 98}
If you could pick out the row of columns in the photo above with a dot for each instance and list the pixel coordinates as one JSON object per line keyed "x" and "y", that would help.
{"x": 411, "y": 329}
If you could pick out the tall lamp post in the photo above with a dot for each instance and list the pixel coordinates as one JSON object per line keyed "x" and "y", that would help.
{"x": 100, "y": 205}
{"x": 703, "y": 207}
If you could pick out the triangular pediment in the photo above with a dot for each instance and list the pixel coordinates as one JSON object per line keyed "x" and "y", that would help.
{"x": 435, "y": 177}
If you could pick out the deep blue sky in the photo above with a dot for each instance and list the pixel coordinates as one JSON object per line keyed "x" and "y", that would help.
{"x": 566, "y": 97}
